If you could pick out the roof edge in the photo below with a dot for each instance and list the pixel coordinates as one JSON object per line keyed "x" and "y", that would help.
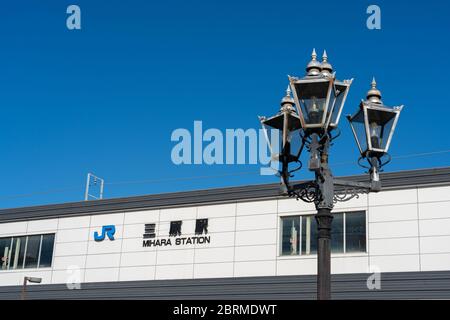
{"x": 390, "y": 180}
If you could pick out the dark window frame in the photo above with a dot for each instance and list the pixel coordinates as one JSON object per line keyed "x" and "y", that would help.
{"x": 344, "y": 234}
{"x": 23, "y": 265}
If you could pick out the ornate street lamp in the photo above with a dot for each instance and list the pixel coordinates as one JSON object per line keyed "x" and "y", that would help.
{"x": 289, "y": 124}
{"x": 319, "y": 99}
{"x": 373, "y": 126}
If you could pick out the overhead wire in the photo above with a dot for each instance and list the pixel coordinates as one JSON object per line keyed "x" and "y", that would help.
{"x": 151, "y": 181}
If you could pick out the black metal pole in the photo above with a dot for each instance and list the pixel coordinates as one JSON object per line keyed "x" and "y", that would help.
{"x": 324, "y": 201}
{"x": 324, "y": 219}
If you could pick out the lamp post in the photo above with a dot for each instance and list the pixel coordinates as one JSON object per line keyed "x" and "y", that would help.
{"x": 310, "y": 120}
{"x": 24, "y": 287}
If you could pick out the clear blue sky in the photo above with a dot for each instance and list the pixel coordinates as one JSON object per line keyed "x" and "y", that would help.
{"x": 106, "y": 98}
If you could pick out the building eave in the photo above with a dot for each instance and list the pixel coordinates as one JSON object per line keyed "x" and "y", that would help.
{"x": 391, "y": 181}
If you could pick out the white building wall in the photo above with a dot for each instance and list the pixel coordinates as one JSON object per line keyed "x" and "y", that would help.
{"x": 394, "y": 231}
{"x": 434, "y": 228}
{"x": 407, "y": 230}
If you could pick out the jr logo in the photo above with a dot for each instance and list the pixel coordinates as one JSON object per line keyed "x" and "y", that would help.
{"x": 106, "y": 231}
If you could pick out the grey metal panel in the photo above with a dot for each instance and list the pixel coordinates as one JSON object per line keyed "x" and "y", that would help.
{"x": 393, "y": 180}
{"x": 405, "y": 285}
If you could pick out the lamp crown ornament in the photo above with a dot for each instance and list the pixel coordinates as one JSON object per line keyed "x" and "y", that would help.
{"x": 325, "y": 66}
{"x": 374, "y": 95}
{"x": 287, "y": 102}
{"x": 313, "y": 67}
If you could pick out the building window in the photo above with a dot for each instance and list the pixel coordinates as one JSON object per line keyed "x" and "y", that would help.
{"x": 291, "y": 236}
{"x": 48, "y": 241}
{"x": 34, "y": 251}
{"x": 348, "y": 234}
{"x": 355, "y": 232}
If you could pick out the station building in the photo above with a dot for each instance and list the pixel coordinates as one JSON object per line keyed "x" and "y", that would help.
{"x": 233, "y": 243}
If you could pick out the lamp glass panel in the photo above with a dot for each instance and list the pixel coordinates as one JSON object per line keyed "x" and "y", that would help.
{"x": 272, "y": 140}
{"x": 359, "y": 127}
{"x": 380, "y": 126}
{"x": 312, "y": 98}
{"x": 274, "y": 129}
{"x": 337, "y": 99}
{"x": 295, "y": 142}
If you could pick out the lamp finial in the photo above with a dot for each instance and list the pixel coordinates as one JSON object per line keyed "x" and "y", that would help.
{"x": 374, "y": 95}
{"x": 288, "y": 100}
{"x": 313, "y": 67}
{"x": 325, "y": 66}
